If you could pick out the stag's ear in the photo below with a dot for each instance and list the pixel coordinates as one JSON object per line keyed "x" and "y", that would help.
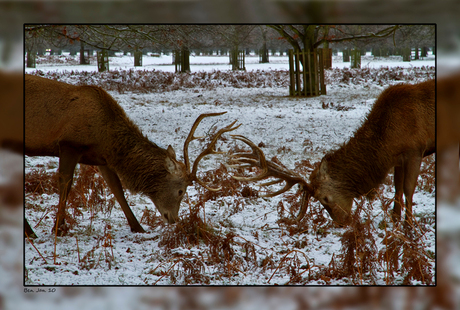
{"x": 171, "y": 152}
{"x": 171, "y": 166}
{"x": 323, "y": 169}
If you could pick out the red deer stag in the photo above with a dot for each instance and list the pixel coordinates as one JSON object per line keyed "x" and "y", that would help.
{"x": 398, "y": 132}
{"x": 84, "y": 124}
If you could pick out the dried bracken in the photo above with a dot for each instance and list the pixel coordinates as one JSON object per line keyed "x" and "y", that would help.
{"x": 207, "y": 247}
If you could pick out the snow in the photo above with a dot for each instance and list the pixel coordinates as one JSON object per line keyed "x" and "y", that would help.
{"x": 303, "y": 126}
{"x": 209, "y": 63}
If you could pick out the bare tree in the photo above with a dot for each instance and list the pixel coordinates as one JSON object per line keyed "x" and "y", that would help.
{"x": 310, "y": 37}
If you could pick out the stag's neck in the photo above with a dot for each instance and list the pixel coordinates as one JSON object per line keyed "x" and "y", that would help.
{"x": 360, "y": 165}
{"x": 137, "y": 160}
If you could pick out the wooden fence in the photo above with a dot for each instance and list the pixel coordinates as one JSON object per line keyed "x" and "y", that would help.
{"x": 237, "y": 59}
{"x": 306, "y": 73}
{"x": 102, "y": 61}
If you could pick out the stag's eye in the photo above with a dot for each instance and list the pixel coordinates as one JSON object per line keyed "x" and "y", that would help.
{"x": 181, "y": 192}
{"x": 326, "y": 200}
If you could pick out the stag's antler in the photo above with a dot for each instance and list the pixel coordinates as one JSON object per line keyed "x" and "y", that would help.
{"x": 209, "y": 150}
{"x": 270, "y": 169}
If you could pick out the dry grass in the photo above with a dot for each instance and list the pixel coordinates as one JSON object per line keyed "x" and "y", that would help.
{"x": 370, "y": 246}
{"x": 89, "y": 193}
{"x": 225, "y": 255}
{"x": 146, "y": 81}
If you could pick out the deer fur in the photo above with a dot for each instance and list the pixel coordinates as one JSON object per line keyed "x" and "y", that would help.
{"x": 11, "y": 111}
{"x": 84, "y": 124}
{"x": 398, "y": 132}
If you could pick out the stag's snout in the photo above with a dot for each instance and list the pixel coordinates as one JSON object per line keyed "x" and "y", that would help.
{"x": 326, "y": 191}
{"x": 170, "y": 218}
{"x": 338, "y": 214}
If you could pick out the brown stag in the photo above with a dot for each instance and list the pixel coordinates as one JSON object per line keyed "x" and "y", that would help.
{"x": 398, "y": 132}
{"x": 84, "y": 124}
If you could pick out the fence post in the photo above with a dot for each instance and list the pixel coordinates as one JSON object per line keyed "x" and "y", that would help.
{"x": 309, "y": 56}
{"x": 297, "y": 73}
{"x": 315, "y": 64}
{"x": 241, "y": 60}
{"x": 304, "y": 91}
{"x": 291, "y": 72}
{"x": 321, "y": 74}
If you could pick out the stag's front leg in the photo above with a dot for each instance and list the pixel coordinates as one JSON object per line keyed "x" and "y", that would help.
{"x": 68, "y": 159}
{"x": 411, "y": 172}
{"x": 114, "y": 183}
{"x": 399, "y": 190}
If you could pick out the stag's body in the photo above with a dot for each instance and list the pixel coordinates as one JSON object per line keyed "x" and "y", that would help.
{"x": 84, "y": 124}
{"x": 398, "y": 132}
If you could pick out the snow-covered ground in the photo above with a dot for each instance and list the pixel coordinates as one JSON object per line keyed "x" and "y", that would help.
{"x": 209, "y": 63}
{"x": 256, "y": 247}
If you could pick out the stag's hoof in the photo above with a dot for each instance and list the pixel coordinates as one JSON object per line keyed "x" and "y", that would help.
{"x": 61, "y": 230}
{"x": 28, "y": 231}
{"x": 137, "y": 229}
{"x": 395, "y": 217}
{"x": 31, "y": 235}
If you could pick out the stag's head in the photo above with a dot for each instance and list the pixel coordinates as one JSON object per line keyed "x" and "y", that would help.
{"x": 179, "y": 175}
{"x": 321, "y": 185}
{"x": 168, "y": 195}
{"x": 328, "y": 192}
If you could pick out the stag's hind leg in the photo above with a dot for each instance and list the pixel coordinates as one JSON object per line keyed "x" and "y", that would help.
{"x": 114, "y": 184}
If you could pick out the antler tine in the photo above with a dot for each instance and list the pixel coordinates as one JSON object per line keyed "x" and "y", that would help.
{"x": 210, "y": 150}
{"x": 304, "y": 203}
{"x": 256, "y": 158}
{"x": 269, "y": 168}
{"x": 191, "y": 136}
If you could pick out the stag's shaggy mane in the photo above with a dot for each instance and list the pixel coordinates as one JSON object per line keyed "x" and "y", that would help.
{"x": 139, "y": 162}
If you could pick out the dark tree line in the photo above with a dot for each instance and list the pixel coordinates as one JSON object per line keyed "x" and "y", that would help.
{"x": 222, "y": 38}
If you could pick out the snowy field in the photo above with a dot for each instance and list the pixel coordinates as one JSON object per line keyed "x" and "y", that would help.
{"x": 241, "y": 240}
{"x": 209, "y": 63}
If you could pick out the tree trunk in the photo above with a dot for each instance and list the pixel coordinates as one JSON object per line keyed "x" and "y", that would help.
{"x": 264, "y": 53}
{"x": 137, "y": 58}
{"x": 82, "y": 54}
{"x": 31, "y": 59}
{"x": 309, "y": 41}
{"x": 185, "y": 59}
